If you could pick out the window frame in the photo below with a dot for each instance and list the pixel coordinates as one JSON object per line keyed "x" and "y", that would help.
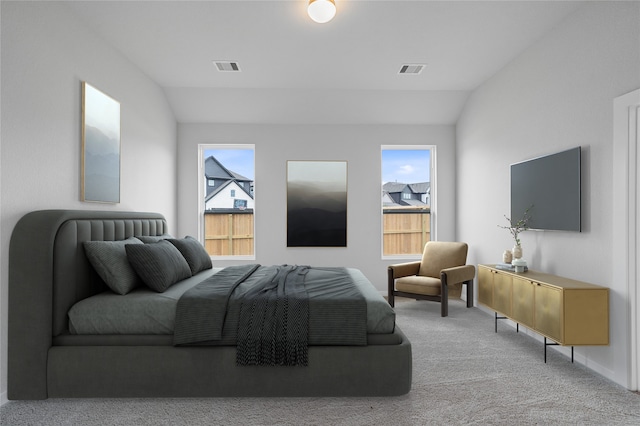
{"x": 202, "y": 187}
{"x": 433, "y": 217}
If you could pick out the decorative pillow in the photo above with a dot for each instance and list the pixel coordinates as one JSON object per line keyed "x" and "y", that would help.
{"x": 160, "y": 265}
{"x": 109, "y": 259}
{"x": 194, "y": 253}
{"x": 148, "y": 239}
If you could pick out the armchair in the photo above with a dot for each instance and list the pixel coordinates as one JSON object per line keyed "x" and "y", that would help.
{"x": 443, "y": 265}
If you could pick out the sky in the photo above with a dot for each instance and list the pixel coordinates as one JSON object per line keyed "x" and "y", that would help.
{"x": 406, "y": 165}
{"x": 237, "y": 160}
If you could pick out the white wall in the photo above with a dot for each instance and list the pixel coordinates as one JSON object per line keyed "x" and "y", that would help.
{"x": 359, "y": 145}
{"x": 46, "y": 53}
{"x": 558, "y": 94}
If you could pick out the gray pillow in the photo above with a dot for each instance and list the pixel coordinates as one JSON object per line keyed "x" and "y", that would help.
{"x": 160, "y": 264}
{"x": 109, "y": 259}
{"x": 148, "y": 239}
{"x": 194, "y": 253}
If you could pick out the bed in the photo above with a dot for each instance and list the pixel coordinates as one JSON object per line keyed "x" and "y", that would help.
{"x": 50, "y": 356}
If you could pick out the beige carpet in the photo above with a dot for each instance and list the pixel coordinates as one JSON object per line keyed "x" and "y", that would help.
{"x": 464, "y": 373}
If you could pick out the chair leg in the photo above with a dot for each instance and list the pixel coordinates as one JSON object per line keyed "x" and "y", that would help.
{"x": 390, "y": 287}
{"x": 444, "y": 296}
{"x": 469, "y": 293}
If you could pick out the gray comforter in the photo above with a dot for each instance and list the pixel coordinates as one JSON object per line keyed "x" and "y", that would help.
{"x": 219, "y": 311}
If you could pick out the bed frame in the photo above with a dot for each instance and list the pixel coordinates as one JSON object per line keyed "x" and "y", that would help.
{"x": 48, "y": 273}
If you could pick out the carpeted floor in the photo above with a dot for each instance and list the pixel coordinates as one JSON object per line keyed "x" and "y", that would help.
{"x": 464, "y": 373}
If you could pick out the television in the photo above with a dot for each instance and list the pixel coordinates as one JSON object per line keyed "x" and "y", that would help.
{"x": 549, "y": 186}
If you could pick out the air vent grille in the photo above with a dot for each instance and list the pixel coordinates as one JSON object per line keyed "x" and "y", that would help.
{"x": 411, "y": 69}
{"x": 227, "y": 66}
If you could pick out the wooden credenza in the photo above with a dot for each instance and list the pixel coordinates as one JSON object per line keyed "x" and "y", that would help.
{"x": 569, "y": 312}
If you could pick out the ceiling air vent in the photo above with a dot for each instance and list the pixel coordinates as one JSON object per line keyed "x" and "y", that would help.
{"x": 224, "y": 66}
{"x": 411, "y": 69}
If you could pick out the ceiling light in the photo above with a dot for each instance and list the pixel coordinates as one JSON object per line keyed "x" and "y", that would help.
{"x": 321, "y": 11}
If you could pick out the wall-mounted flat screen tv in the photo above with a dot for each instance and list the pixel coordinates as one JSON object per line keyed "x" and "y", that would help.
{"x": 550, "y": 187}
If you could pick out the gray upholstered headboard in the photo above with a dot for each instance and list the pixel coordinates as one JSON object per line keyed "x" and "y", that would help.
{"x": 49, "y": 272}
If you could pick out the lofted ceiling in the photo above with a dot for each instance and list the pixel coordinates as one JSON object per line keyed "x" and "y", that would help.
{"x": 293, "y": 70}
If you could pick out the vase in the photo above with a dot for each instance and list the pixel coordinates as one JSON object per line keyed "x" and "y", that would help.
{"x": 507, "y": 257}
{"x": 517, "y": 251}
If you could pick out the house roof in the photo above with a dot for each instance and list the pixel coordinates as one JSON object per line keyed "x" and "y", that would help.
{"x": 414, "y": 203}
{"x": 214, "y": 169}
{"x": 392, "y": 187}
{"x": 416, "y": 188}
{"x": 238, "y": 176}
{"x": 420, "y": 188}
{"x": 228, "y": 183}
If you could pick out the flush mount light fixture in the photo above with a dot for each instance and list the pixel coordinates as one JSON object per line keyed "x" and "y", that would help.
{"x": 321, "y": 11}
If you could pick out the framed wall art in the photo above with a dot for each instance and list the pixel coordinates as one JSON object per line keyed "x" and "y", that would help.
{"x": 100, "y": 174}
{"x": 316, "y": 203}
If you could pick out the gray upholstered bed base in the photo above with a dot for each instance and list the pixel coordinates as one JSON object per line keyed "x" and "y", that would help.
{"x": 48, "y": 273}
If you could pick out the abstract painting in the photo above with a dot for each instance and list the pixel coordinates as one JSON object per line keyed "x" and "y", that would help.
{"x": 100, "y": 180}
{"x": 316, "y": 203}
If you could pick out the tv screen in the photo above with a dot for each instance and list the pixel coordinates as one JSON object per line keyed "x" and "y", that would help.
{"x": 549, "y": 187}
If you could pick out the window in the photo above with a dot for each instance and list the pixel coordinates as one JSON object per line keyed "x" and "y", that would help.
{"x": 407, "y": 199}
{"x": 226, "y": 203}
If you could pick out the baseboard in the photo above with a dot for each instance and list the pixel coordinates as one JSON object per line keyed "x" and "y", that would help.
{"x": 3, "y": 398}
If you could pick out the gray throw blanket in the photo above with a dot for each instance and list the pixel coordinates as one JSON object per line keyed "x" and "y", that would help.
{"x": 274, "y": 320}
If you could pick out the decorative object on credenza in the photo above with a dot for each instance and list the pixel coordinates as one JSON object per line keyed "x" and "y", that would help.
{"x": 508, "y": 267}
{"x": 515, "y": 229}
{"x": 519, "y": 265}
{"x": 100, "y": 166}
{"x": 316, "y": 203}
{"x": 516, "y": 252}
{"x": 507, "y": 257}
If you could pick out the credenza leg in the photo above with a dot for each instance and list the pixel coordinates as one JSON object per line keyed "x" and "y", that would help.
{"x": 496, "y": 320}
{"x": 545, "y": 350}
{"x": 553, "y": 344}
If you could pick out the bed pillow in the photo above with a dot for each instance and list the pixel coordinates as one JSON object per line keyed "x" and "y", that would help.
{"x": 148, "y": 239}
{"x": 160, "y": 264}
{"x": 109, "y": 259}
{"x": 194, "y": 253}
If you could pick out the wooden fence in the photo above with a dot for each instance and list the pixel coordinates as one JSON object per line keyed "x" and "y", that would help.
{"x": 229, "y": 233}
{"x": 405, "y": 230}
